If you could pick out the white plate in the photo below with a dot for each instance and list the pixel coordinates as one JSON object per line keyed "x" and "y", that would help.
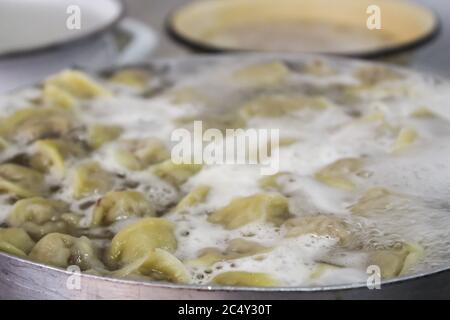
{"x": 27, "y": 25}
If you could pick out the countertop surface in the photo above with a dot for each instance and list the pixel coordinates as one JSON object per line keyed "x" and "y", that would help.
{"x": 434, "y": 57}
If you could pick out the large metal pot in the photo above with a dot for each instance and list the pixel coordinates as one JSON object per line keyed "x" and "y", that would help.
{"x": 23, "y": 279}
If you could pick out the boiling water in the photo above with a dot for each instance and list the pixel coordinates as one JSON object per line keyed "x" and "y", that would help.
{"x": 418, "y": 176}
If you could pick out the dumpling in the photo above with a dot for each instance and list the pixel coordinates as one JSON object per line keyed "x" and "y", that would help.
{"x": 3, "y": 143}
{"x": 138, "y": 239}
{"x": 159, "y": 265}
{"x": 373, "y": 75}
{"x": 271, "y": 183}
{"x": 120, "y": 205}
{"x": 186, "y": 95}
{"x": 242, "y": 278}
{"x": 320, "y": 225}
{"x": 278, "y": 105}
{"x": 62, "y": 250}
{"x": 135, "y": 78}
{"x": 236, "y": 249}
{"x": 140, "y": 154}
{"x": 406, "y": 137}
{"x": 51, "y": 155}
{"x": 21, "y": 182}
{"x": 262, "y": 74}
{"x": 28, "y": 125}
{"x": 396, "y": 261}
{"x": 15, "y": 241}
{"x": 77, "y": 84}
{"x": 339, "y": 174}
{"x": 270, "y": 207}
{"x": 196, "y": 196}
{"x": 321, "y": 268}
{"x": 90, "y": 178}
{"x": 99, "y": 134}
{"x": 54, "y": 96}
{"x": 175, "y": 174}
{"x": 376, "y": 200}
{"x": 39, "y": 216}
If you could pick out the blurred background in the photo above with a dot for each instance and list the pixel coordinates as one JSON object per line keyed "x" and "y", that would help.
{"x": 434, "y": 56}
{"x": 38, "y": 38}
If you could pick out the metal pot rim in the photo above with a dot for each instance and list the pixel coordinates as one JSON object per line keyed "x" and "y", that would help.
{"x": 217, "y": 288}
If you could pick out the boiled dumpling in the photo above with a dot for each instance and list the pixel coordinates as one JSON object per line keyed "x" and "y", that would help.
{"x": 242, "y": 278}
{"x": 320, "y": 225}
{"x": 78, "y": 84}
{"x": 278, "y": 105}
{"x": 62, "y": 250}
{"x": 120, "y": 205}
{"x": 28, "y": 125}
{"x": 262, "y": 74}
{"x": 138, "y": 239}
{"x": 406, "y": 137}
{"x": 51, "y": 155}
{"x": 236, "y": 249}
{"x": 396, "y": 261}
{"x": 196, "y": 196}
{"x": 140, "y": 154}
{"x": 90, "y": 178}
{"x": 176, "y": 174}
{"x": 271, "y": 207}
{"x": 54, "y": 96}
{"x": 339, "y": 173}
{"x": 39, "y": 216}
{"x": 158, "y": 264}
{"x": 375, "y": 200}
{"x": 20, "y": 181}
{"x": 136, "y": 78}
{"x": 99, "y": 134}
{"x": 15, "y": 241}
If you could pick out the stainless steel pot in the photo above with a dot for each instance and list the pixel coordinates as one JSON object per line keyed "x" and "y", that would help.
{"x": 23, "y": 279}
